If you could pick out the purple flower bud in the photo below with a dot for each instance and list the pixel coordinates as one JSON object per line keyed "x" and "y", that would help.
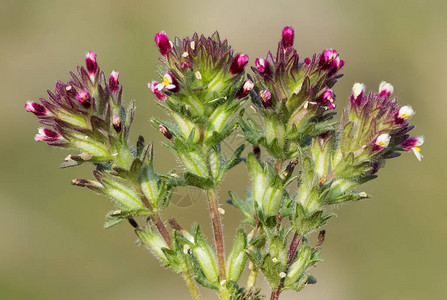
{"x": 266, "y": 98}
{"x": 163, "y": 43}
{"x": 307, "y": 61}
{"x": 47, "y": 135}
{"x": 238, "y": 64}
{"x": 288, "y": 35}
{"x": 117, "y": 123}
{"x": 39, "y": 110}
{"x": 90, "y": 62}
{"x": 375, "y": 166}
{"x": 385, "y": 89}
{"x": 326, "y": 99}
{"x": 245, "y": 89}
{"x": 113, "y": 81}
{"x": 163, "y": 129}
{"x": 153, "y": 86}
{"x": 326, "y": 58}
{"x": 83, "y": 97}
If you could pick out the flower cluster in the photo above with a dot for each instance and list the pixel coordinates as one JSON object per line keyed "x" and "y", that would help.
{"x": 202, "y": 85}
{"x": 86, "y": 114}
{"x": 311, "y": 161}
{"x": 292, "y": 95}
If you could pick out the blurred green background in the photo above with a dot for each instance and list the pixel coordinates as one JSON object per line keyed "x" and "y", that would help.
{"x": 53, "y": 245}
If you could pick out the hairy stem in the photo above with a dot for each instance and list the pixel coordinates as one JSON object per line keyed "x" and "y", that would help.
{"x": 191, "y": 285}
{"x": 293, "y": 247}
{"x": 217, "y": 229}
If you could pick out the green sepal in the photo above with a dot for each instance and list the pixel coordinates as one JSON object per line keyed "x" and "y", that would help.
{"x": 245, "y": 206}
{"x": 234, "y": 160}
{"x": 237, "y": 257}
{"x": 304, "y": 221}
{"x": 115, "y": 217}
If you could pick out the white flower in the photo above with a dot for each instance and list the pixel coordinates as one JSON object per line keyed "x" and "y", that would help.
{"x": 383, "y": 140}
{"x": 406, "y": 112}
{"x": 358, "y": 88}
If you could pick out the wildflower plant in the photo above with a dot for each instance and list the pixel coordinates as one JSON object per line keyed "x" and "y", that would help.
{"x": 311, "y": 160}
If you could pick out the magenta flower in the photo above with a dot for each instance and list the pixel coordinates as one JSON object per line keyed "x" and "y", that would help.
{"x": 245, "y": 89}
{"x": 288, "y": 35}
{"x": 326, "y": 99}
{"x": 238, "y": 64}
{"x": 47, "y": 135}
{"x": 266, "y": 98}
{"x": 83, "y": 97}
{"x": 91, "y": 64}
{"x": 157, "y": 92}
{"x": 382, "y": 141}
{"x": 163, "y": 43}
{"x": 39, "y": 110}
{"x": 263, "y": 67}
{"x": 327, "y": 57}
{"x": 113, "y": 81}
{"x": 414, "y": 144}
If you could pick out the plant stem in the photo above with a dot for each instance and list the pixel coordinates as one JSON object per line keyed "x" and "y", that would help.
{"x": 218, "y": 234}
{"x": 155, "y": 217}
{"x": 293, "y": 247}
{"x": 191, "y": 285}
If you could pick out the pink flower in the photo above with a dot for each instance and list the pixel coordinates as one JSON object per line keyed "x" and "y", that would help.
{"x": 39, "y": 110}
{"x": 327, "y": 57}
{"x": 158, "y": 93}
{"x": 245, "y": 89}
{"x": 327, "y": 99}
{"x": 238, "y": 64}
{"x": 83, "y": 97}
{"x": 266, "y": 98}
{"x": 163, "y": 43}
{"x": 47, "y": 135}
{"x": 288, "y": 35}
{"x": 113, "y": 81}
{"x": 385, "y": 89}
{"x": 90, "y": 61}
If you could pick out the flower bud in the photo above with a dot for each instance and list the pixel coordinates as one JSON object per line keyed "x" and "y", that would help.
{"x": 326, "y": 99}
{"x": 381, "y": 142}
{"x": 238, "y": 64}
{"x": 358, "y": 91}
{"x": 263, "y": 67}
{"x": 288, "y": 35}
{"x": 163, "y": 43}
{"x": 83, "y": 97}
{"x": 245, "y": 89}
{"x": 326, "y": 58}
{"x": 385, "y": 89}
{"x": 257, "y": 152}
{"x": 163, "y": 129}
{"x": 405, "y": 113}
{"x": 307, "y": 61}
{"x": 47, "y": 135}
{"x": 39, "y": 110}
{"x": 117, "y": 123}
{"x": 157, "y": 91}
{"x": 90, "y": 62}
{"x": 266, "y": 98}
{"x": 113, "y": 81}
